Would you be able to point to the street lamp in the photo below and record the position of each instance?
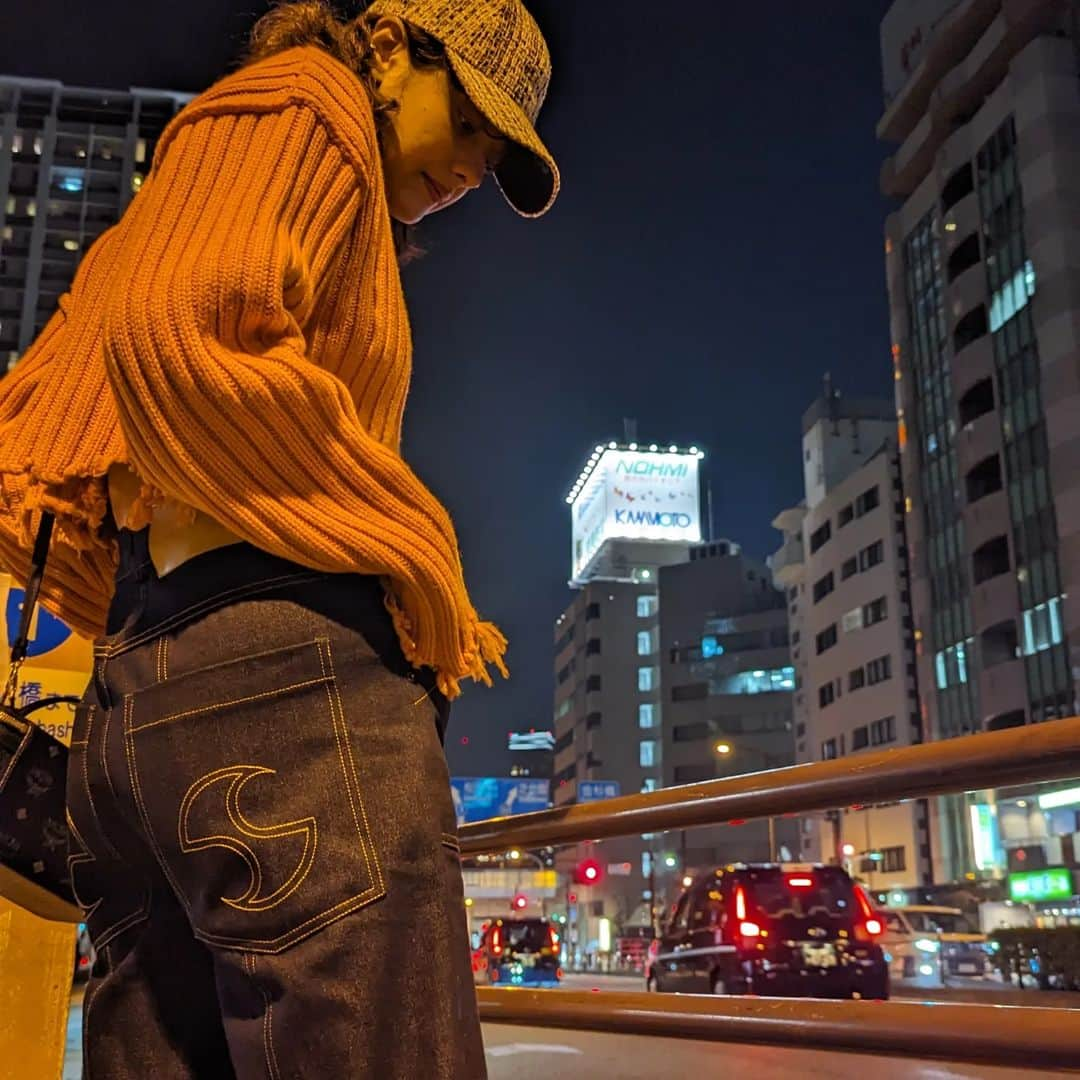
(723, 748)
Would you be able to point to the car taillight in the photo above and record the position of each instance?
(740, 904)
(84, 961)
(554, 936)
(800, 882)
(871, 925)
(558, 973)
(496, 941)
(749, 929)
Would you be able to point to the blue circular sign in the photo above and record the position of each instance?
(51, 632)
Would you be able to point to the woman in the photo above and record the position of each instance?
(263, 836)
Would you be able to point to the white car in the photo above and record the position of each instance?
(928, 944)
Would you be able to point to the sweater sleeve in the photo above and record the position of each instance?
(222, 407)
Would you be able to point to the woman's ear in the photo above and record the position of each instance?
(389, 45)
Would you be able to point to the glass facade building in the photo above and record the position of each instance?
(981, 257)
(71, 160)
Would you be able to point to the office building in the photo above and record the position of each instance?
(982, 111)
(634, 509)
(727, 684)
(844, 566)
(71, 159)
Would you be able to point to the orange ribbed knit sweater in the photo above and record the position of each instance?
(240, 339)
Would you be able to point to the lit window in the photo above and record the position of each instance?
(1012, 296)
(1042, 626)
(16, 143)
(775, 680)
(647, 753)
(646, 716)
(644, 643)
(140, 150)
(650, 783)
(644, 678)
(710, 647)
(646, 606)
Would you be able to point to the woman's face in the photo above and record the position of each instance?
(437, 145)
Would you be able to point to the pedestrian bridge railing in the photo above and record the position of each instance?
(1028, 1036)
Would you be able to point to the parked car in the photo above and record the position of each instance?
(789, 929)
(927, 944)
(519, 952)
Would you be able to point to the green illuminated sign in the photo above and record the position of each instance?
(1033, 886)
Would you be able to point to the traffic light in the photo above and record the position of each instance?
(519, 903)
(588, 872)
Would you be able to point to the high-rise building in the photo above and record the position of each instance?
(634, 509)
(844, 566)
(983, 263)
(727, 686)
(71, 159)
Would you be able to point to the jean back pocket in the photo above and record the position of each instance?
(247, 785)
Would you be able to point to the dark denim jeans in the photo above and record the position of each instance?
(263, 837)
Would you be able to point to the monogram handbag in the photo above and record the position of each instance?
(33, 781)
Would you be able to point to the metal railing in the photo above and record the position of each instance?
(1035, 1037)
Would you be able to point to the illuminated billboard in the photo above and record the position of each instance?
(478, 798)
(631, 494)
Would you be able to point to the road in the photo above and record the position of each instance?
(521, 1053)
(525, 1053)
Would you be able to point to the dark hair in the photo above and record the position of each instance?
(315, 22)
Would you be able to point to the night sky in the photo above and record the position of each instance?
(716, 249)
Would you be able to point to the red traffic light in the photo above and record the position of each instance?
(588, 872)
(520, 902)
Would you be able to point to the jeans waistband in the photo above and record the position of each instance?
(145, 604)
(144, 600)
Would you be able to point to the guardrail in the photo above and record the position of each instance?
(1033, 1037)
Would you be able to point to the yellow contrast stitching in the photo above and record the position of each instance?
(86, 786)
(308, 826)
(104, 754)
(268, 1025)
(351, 774)
(278, 692)
(133, 776)
(451, 841)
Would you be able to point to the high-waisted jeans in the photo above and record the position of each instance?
(263, 837)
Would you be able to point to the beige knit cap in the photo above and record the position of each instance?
(499, 56)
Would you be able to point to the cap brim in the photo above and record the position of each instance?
(527, 176)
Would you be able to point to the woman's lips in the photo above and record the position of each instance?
(437, 193)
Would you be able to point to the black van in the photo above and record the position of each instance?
(775, 930)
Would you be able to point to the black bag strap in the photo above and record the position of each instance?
(33, 587)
